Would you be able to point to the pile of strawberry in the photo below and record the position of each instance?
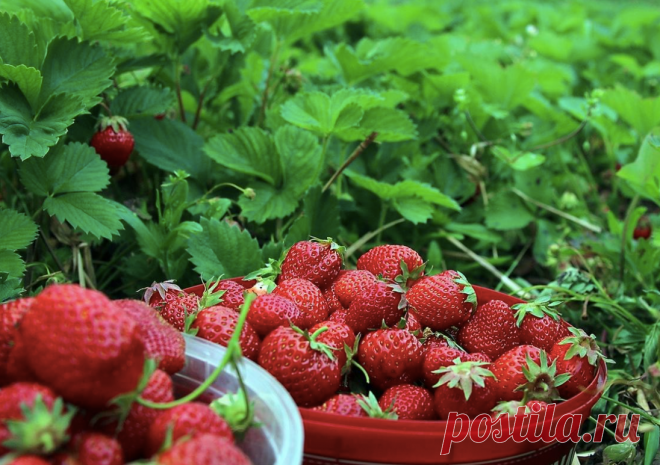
(87, 381)
(387, 340)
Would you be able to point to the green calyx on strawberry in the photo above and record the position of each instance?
(407, 277)
(468, 290)
(117, 123)
(583, 346)
(237, 410)
(340, 249)
(464, 375)
(399, 288)
(42, 430)
(539, 308)
(542, 380)
(428, 333)
(268, 274)
(369, 404)
(351, 353)
(510, 408)
(325, 349)
(210, 298)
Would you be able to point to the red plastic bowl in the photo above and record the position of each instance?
(336, 439)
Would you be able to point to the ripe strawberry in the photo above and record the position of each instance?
(491, 330)
(232, 294)
(11, 314)
(207, 449)
(413, 325)
(161, 341)
(439, 356)
(336, 336)
(307, 297)
(540, 324)
(187, 420)
(307, 368)
(465, 387)
(443, 300)
(270, 311)
(642, 232)
(347, 405)
(390, 357)
(315, 261)
(409, 402)
(331, 299)
(17, 367)
(578, 356)
(339, 316)
(174, 305)
(385, 260)
(82, 345)
(352, 284)
(113, 142)
(431, 339)
(17, 395)
(217, 324)
(376, 304)
(98, 449)
(27, 460)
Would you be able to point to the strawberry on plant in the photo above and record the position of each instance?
(409, 402)
(442, 356)
(385, 260)
(270, 311)
(491, 330)
(82, 345)
(318, 261)
(352, 284)
(207, 449)
(380, 303)
(465, 387)
(443, 300)
(217, 324)
(187, 420)
(577, 355)
(113, 142)
(11, 314)
(307, 297)
(307, 368)
(540, 324)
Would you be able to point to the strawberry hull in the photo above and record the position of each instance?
(336, 439)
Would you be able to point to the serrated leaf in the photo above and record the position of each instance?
(269, 202)
(321, 113)
(413, 209)
(99, 20)
(506, 88)
(28, 80)
(86, 211)
(243, 31)
(391, 125)
(28, 134)
(136, 102)
(643, 175)
(222, 249)
(506, 211)
(17, 230)
(11, 263)
(643, 114)
(18, 45)
(10, 287)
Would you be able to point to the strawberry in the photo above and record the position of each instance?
(307, 368)
(352, 284)
(380, 303)
(83, 346)
(207, 449)
(540, 324)
(113, 142)
(336, 336)
(17, 367)
(431, 339)
(98, 449)
(316, 261)
(187, 420)
(331, 299)
(578, 356)
(385, 260)
(17, 395)
(233, 295)
(440, 356)
(343, 404)
(27, 460)
(413, 325)
(465, 387)
(307, 297)
(339, 316)
(491, 330)
(161, 341)
(11, 314)
(174, 305)
(270, 311)
(443, 300)
(217, 324)
(390, 357)
(408, 402)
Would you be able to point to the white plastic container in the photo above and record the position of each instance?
(279, 441)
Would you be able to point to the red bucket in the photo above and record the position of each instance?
(336, 439)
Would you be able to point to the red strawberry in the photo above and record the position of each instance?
(642, 232)
(187, 420)
(307, 297)
(332, 300)
(17, 395)
(465, 387)
(390, 357)
(540, 324)
(217, 324)
(113, 142)
(537, 406)
(207, 449)
(376, 304)
(432, 339)
(408, 402)
(174, 305)
(315, 261)
(491, 330)
(161, 341)
(438, 357)
(27, 460)
(233, 295)
(352, 284)
(413, 325)
(336, 336)
(83, 346)
(305, 367)
(17, 367)
(270, 311)
(11, 314)
(578, 356)
(98, 449)
(343, 404)
(385, 260)
(339, 316)
(443, 300)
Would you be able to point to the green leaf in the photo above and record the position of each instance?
(505, 87)
(652, 346)
(651, 445)
(76, 68)
(10, 287)
(171, 146)
(17, 230)
(643, 175)
(99, 20)
(18, 46)
(86, 211)
(641, 113)
(75, 167)
(28, 80)
(321, 113)
(269, 203)
(28, 134)
(391, 125)
(11, 263)
(222, 249)
(475, 231)
(506, 211)
(520, 161)
(136, 102)
(243, 31)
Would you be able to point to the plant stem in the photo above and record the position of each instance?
(356, 153)
(474, 127)
(367, 237)
(177, 79)
(51, 251)
(624, 236)
(384, 206)
(562, 139)
(200, 103)
(271, 70)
